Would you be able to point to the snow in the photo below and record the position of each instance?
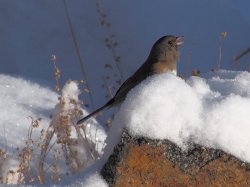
(23, 104)
(22, 99)
(212, 111)
(10, 164)
(94, 181)
(160, 102)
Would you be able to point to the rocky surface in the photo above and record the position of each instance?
(144, 162)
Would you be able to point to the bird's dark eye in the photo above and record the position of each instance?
(170, 43)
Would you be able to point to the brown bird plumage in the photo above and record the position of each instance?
(163, 58)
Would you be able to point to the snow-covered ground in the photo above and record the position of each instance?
(27, 126)
(211, 111)
(22, 99)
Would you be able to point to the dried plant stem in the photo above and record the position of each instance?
(56, 72)
(187, 64)
(80, 59)
(44, 148)
(24, 166)
(111, 43)
(70, 158)
(114, 53)
(110, 94)
(87, 144)
(242, 54)
(5, 139)
(219, 58)
(222, 36)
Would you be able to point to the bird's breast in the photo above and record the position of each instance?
(163, 67)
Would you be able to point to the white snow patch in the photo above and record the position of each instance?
(9, 171)
(19, 100)
(93, 130)
(94, 180)
(160, 102)
(22, 101)
(212, 111)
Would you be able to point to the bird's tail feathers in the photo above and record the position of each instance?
(95, 112)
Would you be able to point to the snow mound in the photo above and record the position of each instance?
(21, 103)
(21, 99)
(24, 102)
(94, 180)
(162, 103)
(212, 111)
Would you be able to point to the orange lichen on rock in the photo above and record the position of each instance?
(146, 165)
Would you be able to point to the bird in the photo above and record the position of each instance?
(162, 58)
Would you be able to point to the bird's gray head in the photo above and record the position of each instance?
(166, 47)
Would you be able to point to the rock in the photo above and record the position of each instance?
(145, 162)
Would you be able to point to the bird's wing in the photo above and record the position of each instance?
(126, 86)
(140, 75)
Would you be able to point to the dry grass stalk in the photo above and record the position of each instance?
(77, 48)
(61, 127)
(57, 74)
(247, 51)
(223, 35)
(110, 42)
(44, 151)
(108, 88)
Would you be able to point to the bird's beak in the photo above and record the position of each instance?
(179, 40)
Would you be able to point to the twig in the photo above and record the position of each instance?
(41, 172)
(57, 74)
(5, 139)
(111, 43)
(49, 149)
(219, 48)
(242, 54)
(222, 36)
(87, 142)
(108, 88)
(80, 59)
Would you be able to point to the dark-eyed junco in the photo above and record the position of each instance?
(162, 58)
